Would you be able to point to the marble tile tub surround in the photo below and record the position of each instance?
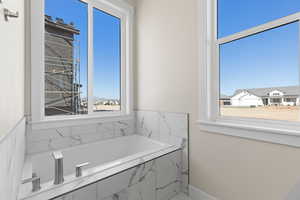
(171, 128)
(167, 127)
(158, 179)
(44, 140)
(12, 153)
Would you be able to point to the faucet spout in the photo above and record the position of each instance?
(59, 167)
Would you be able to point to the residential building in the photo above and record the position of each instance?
(284, 96)
(62, 94)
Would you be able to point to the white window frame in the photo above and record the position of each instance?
(275, 131)
(117, 8)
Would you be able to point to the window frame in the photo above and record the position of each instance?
(275, 131)
(125, 13)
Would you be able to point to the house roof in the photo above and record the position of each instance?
(59, 23)
(223, 96)
(261, 92)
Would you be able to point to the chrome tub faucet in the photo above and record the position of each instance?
(59, 167)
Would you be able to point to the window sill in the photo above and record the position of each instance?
(274, 135)
(53, 122)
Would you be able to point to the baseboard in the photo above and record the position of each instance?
(197, 194)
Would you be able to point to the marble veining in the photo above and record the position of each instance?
(57, 138)
(12, 152)
(171, 128)
(157, 179)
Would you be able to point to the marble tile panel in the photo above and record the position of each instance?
(12, 153)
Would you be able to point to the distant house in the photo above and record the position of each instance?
(286, 96)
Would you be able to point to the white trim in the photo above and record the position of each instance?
(118, 8)
(261, 28)
(275, 131)
(204, 55)
(214, 96)
(129, 61)
(37, 59)
(119, 5)
(90, 65)
(260, 133)
(124, 74)
(197, 194)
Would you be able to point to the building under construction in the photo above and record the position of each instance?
(62, 69)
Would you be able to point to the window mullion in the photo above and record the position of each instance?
(90, 59)
(261, 28)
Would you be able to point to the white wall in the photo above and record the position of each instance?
(166, 79)
(12, 67)
(12, 122)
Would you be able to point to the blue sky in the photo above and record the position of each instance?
(106, 55)
(106, 45)
(268, 59)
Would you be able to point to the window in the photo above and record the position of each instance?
(293, 100)
(107, 62)
(235, 16)
(86, 59)
(249, 69)
(66, 57)
(275, 100)
(276, 94)
(264, 59)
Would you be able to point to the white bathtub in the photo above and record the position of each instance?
(106, 158)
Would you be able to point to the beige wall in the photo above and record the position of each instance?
(12, 67)
(166, 79)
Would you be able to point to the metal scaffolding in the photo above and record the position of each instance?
(62, 73)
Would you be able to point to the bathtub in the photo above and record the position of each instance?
(106, 158)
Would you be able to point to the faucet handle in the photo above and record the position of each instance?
(57, 155)
(36, 182)
(79, 167)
